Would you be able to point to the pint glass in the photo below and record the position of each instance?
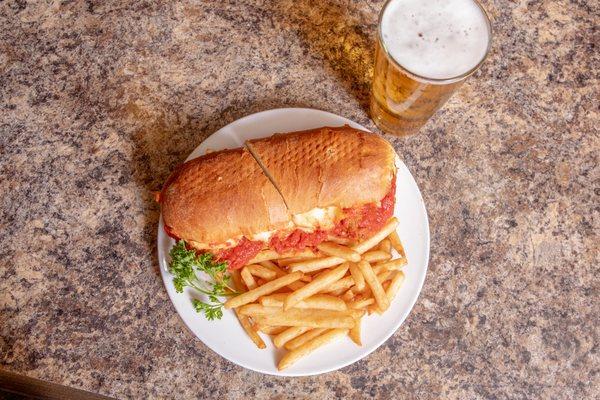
(425, 51)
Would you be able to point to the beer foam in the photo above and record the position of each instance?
(436, 39)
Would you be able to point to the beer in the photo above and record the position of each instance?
(425, 51)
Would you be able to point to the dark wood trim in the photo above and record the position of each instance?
(36, 388)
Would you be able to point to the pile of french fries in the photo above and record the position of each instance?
(306, 300)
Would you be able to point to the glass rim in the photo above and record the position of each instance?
(436, 80)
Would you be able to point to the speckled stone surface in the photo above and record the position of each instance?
(99, 100)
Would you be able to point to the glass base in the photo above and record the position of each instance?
(391, 123)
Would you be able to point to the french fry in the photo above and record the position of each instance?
(273, 267)
(261, 271)
(339, 240)
(237, 281)
(371, 279)
(376, 256)
(394, 286)
(348, 295)
(296, 285)
(308, 317)
(284, 262)
(322, 301)
(305, 337)
(320, 263)
(393, 264)
(257, 309)
(368, 244)
(289, 334)
(384, 276)
(360, 304)
(354, 332)
(269, 287)
(337, 250)
(245, 322)
(318, 284)
(385, 245)
(271, 330)
(264, 255)
(310, 346)
(315, 264)
(267, 255)
(340, 286)
(396, 243)
(306, 278)
(248, 278)
(357, 276)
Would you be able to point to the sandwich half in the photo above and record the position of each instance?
(286, 193)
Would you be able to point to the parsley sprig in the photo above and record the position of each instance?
(186, 264)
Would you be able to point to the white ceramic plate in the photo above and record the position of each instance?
(227, 338)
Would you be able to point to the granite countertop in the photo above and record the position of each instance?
(100, 100)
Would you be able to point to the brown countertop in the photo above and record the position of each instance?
(100, 100)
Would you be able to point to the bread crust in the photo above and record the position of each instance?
(221, 196)
(329, 166)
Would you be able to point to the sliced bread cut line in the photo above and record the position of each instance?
(258, 160)
(325, 167)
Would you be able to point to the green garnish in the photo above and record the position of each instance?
(185, 265)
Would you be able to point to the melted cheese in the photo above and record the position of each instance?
(317, 218)
(323, 218)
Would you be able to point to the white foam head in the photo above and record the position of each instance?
(435, 39)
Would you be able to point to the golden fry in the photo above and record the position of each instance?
(340, 286)
(315, 264)
(271, 330)
(394, 286)
(289, 334)
(263, 290)
(359, 304)
(245, 322)
(284, 262)
(354, 332)
(357, 276)
(267, 255)
(308, 317)
(393, 264)
(318, 284)
(261, 271)
(375, 285)
(296, 285)
(310, 346)
(376, 256)
(248, 278)
(257, 309)
(368, 244)
(322, 301)
(385, 245)
(397, 244)
(339, 240)
(237, 281)
(337, 250)
(348, 295)
(305, 337)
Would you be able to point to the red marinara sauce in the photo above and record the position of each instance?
(240, 254)
(297, 240)
(362, 221)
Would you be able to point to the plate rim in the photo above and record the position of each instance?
(427, 242)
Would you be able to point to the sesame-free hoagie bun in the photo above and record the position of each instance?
(220, 196)
(324, 167)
